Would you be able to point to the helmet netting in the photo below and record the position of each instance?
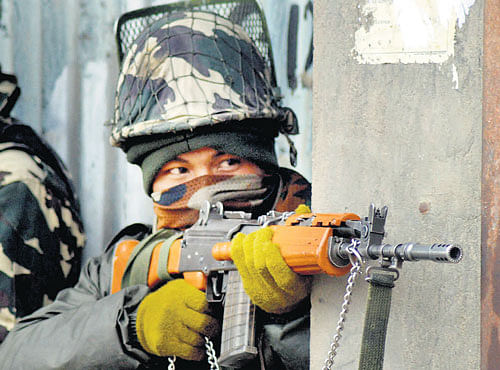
(246, 13)
(188, 70)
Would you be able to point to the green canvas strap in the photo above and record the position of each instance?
(136, 271)
(376, 318)
(163, 258)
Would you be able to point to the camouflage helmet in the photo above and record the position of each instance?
(191, 70)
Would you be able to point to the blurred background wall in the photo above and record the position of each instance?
(65, 57)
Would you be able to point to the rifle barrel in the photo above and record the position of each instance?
(449, 253)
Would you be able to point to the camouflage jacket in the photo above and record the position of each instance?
(87, 327)
(41, 233)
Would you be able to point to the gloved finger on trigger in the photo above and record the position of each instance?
(187, 294)
(201, 323)
(195, 299)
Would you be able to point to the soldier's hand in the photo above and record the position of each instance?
(267, 279)
(174, 320)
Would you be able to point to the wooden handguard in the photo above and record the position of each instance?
(304, 249)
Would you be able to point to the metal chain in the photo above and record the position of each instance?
(356, 261)
(171, 363)
(211, 357)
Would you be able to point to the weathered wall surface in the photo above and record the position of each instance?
(402, 128)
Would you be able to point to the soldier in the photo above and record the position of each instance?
(195, 110)
(41, 232)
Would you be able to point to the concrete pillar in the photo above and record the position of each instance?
(397, 102)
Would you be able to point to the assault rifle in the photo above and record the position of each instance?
(311, 243)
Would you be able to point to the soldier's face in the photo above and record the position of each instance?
(200, 162)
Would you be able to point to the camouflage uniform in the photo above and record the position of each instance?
(41, 233)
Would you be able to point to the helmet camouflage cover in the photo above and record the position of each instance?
(189, 70)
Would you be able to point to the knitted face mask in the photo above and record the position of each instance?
(178, 207)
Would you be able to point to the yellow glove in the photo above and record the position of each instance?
(173, 321)
(267, 279)
(302, 208)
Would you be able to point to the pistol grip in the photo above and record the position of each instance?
(196, 279)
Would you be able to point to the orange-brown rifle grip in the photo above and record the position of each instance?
(304, 249)
(120, 259)
(196, 279)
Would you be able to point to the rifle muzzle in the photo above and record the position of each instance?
(449, 253)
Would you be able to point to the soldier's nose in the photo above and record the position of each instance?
(202, 171)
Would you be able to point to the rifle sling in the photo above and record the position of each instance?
(163, 258)
(376, 318)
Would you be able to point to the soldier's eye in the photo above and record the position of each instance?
(229, 164)
(177, 170)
